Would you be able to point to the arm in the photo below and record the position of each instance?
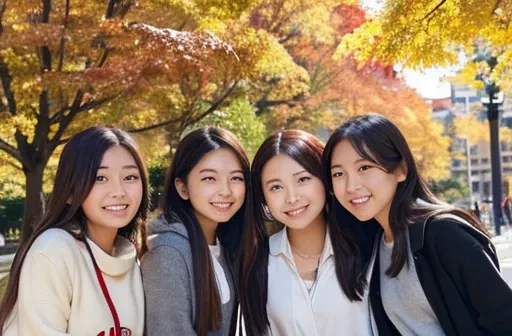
(474, 269)
(44, 297)
(168, 293)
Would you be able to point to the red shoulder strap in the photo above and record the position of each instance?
(104, 289)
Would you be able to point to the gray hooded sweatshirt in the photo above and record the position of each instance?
(168, 278)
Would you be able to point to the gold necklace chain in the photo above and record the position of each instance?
(306, 256)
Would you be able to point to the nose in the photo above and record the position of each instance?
(353, 183)
(117, 189)
(292, 196)
(225, 189)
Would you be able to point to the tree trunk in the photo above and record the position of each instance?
(34, 201)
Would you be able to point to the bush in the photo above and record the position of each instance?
(11, 214)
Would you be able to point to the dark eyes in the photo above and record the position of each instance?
(304, 179)
(102, 178)
(360, 169)
(212, 179)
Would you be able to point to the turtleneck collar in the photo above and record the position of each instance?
(120, 262)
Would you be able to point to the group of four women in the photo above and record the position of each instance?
(341, 240)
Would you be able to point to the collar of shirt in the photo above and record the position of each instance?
(279, 244)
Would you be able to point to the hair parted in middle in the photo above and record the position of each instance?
(307, 151)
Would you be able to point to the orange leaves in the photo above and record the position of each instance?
(35, 35)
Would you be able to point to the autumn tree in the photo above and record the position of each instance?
(62, 61)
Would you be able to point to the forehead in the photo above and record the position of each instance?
(221, 160)
(280, 166)
(344, 153)
(117, 156)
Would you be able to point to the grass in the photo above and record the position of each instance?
(3, 286)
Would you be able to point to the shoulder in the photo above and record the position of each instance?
(454, 236)
(54, 243)
(448, 228)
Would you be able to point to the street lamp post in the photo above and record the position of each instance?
(492, 102)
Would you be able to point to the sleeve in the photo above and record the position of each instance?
(44, 296)
(167, 293)
(474, 269)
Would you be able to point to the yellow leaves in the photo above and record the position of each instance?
(424, 33)
(429, 146)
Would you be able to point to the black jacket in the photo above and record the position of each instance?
(459, 271)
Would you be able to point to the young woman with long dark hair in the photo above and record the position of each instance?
(188, 271)
(301, 280)
(77, 274)
(436, 271)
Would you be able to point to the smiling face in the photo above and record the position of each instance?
(361, 186)
(294, 196)
(117, 192)
(215, 187)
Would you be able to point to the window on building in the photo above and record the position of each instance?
(473, 149)
(485, 160)
(475, 186)
(474, 172)
(487, 189)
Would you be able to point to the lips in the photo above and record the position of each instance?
(360, 200)
(118, 207)
(296, 212)
(222, 206)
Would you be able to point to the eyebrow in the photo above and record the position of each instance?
(356, 161)
(299, 172)
(209, 170)
(278, 180)
(272, 181)
(124, 167)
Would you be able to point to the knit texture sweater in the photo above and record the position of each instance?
(59, 293)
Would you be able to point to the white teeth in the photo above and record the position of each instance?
(296, 212)
(360, 200)
(116, 207)
(221, 205)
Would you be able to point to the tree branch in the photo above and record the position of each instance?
(6, 79)
(214, 106)
(10, 149)
(12, 164)
(3, 6)
(433, 10)
(110, 9)
(154, 126)
(62, 39)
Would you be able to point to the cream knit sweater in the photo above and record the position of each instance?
(59, 293)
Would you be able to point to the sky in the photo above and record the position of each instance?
(428, 82)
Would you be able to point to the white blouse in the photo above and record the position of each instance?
(222, 282)
(322, 311)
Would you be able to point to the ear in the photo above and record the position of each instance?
(181, 188)
(69, 200)
(401, 172)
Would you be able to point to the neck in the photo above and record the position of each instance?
(208, 227)
(309, 240)
(384, 223)
(103, 237)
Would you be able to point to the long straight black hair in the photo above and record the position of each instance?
(378, 140)
(75, 177)
(306, 150)
(191, 149)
